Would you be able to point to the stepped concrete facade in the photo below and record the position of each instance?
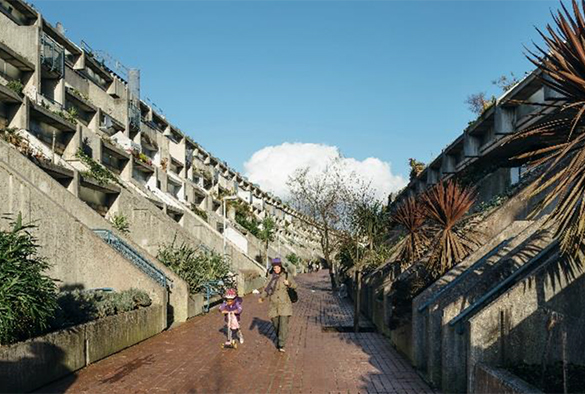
(76, 112)
(512, 299)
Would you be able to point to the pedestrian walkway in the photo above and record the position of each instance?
(189, 359)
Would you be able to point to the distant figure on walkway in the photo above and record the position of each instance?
(280, 307)
(232, 309)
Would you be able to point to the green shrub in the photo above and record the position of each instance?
(120, 222)
(101, 174)
(15, 86)
(195, 266)
(199, 212)
(294, 259)
(78, 306)
(27, 296)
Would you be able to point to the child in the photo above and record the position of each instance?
(232, 308)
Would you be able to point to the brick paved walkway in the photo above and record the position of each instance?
(189, 359)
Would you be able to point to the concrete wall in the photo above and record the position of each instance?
(428, 324)
(524, 325)
(84, 214)
(21, 39)
(494, 380)
(79, 257)
(454, 345)
(28, 365)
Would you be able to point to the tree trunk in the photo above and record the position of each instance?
(357, 300)
(267, 260)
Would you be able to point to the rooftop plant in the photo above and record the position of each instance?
(101, 174)
(199, 212)
(416, 167)
(15, 86)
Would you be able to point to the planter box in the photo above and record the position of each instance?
(31, 364)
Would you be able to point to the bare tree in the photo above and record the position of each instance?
(320, 197)
(478, 103)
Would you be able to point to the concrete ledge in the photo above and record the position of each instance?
(114, 333)
(28, 365)
(254, 284)
(491, 380)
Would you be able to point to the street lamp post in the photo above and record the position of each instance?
(226, 198)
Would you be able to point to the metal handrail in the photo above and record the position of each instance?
(211, 288)
(133, 256)
(501, 286)
(464, 274)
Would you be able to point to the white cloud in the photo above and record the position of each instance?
(270, 167)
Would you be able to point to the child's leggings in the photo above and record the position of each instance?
(230, 334)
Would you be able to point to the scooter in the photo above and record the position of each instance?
(232, 324)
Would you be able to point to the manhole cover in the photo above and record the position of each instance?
(346, 329)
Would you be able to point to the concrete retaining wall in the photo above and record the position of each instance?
(86, 215)
(528, 320)
(494, 380)
(80, 258)
(28, 365)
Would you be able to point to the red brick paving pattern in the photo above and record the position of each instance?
(189, 359)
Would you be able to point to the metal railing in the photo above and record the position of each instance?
(134, 257)
(52, 55)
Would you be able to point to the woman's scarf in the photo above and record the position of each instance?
(272, 284)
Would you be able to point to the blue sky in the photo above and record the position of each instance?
(384, 79)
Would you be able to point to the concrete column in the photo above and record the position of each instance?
(21, 119)
(163, 148)
(94, 124)
(96, 148)
(470, 146)
(447, 164)
(504, 119)
(128, 170)
(80, 64)
(73, 145)
(73, 187)
(162, 177)
(59, 94)
(35, 80)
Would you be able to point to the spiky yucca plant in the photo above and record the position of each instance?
(563, 62)
(446, 205)
(411, 217)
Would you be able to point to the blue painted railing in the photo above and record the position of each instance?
(464, 274)
(211, 288)
(134, 257)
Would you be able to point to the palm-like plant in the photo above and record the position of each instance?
(563, 62)
(411, 217)
(446, 205)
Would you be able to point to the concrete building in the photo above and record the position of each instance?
(512, 294)
(95, 150)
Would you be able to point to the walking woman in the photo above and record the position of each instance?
(280, 305)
